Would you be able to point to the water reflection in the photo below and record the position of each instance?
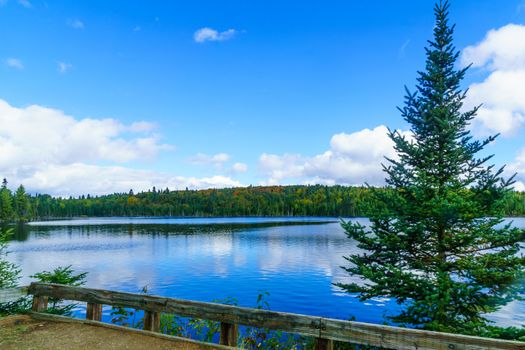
(296, 261)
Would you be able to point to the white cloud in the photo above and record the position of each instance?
(63, 67)
(502, 48)
(14, 63)
(502, 94)
(280, 167)
(363, 144)
(142, 126)
(502, 54)
(43, 147)
(37, 134)
(239, 168)
(25, 3)
(352, 159)
(51, 152)
(519, 186)
(201, 158)
(79, 178)
(75, 23)
(518, 167)
(209, 34)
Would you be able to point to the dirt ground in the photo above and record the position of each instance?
(25, 333)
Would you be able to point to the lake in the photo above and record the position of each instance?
(296, 260)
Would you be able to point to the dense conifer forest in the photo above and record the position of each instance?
(298, 200)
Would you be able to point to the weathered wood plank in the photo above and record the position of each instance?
(94, 312)
(306, 325)
(346, 331)
(39, 303)
(408, 339)
(151, 321)
(229, 334)
(12, 294)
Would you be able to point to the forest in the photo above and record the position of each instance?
(297, 200)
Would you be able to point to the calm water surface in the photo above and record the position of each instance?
(296, 260)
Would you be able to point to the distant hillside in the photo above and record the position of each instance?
(316, 200)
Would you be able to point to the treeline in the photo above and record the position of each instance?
(248, 201)
(15, 206)
(314, 200)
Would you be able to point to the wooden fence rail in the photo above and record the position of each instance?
(325, 330)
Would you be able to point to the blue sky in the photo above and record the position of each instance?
(225, 93)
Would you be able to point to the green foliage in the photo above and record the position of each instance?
(514, 204)
(249, 201)
(264, 338)
(437, 243)
(61, 275)
(173, 325)
(9, 275)
(14, 207)
(123, 316)
(126, 316)
(22, 205)
(9, 272)
(508, 333)
(317, 200)
(249, 338)
(6, 204)
(208, 331)
(16, 307)
(204, 330)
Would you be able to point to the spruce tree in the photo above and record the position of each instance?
(22, 205)
(438, 244)
(6, 204)
(9, 272)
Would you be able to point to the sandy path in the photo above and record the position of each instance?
(25, 333)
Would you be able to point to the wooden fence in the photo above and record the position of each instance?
(324, 330)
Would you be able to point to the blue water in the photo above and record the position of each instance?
(296, 260)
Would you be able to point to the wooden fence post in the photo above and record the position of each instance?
(152, 321)
(323, 344)
(94, 312)
(229, 334)
(39, 303)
